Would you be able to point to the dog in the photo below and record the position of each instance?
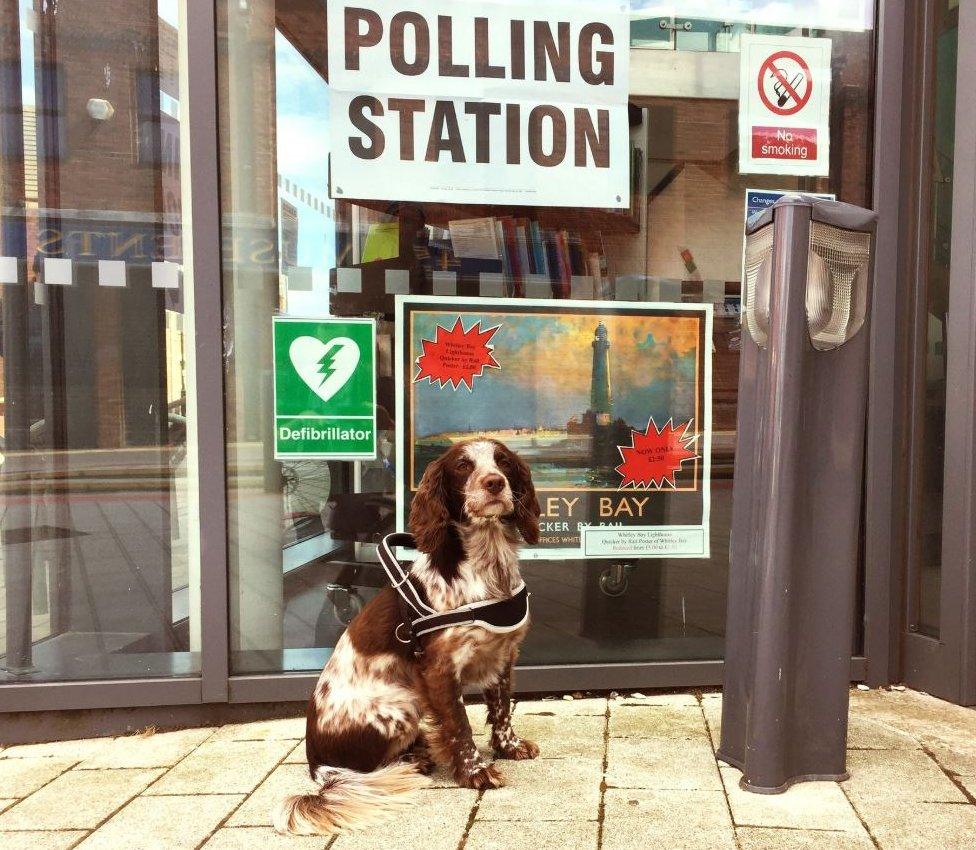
(365, 743)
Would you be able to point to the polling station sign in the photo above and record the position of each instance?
(784, 105)
(324, 388)
(468, 102)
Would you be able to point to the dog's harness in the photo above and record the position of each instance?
(419, 619)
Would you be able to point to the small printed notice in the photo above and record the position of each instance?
(663, 541)
(784, 105)
(324, 388)
(475, 237)
(609, 403)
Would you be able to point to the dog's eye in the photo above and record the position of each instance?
(503, 461)
(464, 466)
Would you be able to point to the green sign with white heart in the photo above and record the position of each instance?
(325, 388)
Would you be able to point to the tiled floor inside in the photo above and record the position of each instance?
(634, 771)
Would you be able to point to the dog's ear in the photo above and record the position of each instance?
(527, 510)
(429, 514)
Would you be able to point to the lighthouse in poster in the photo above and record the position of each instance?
(601, 398)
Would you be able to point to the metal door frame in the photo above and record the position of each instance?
(946, 666)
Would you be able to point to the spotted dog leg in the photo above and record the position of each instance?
(505, 743)
(450, 738)
(420, 755)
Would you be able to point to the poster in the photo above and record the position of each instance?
(324, 388)
(609, 403)
(784, 105)
(472, 101)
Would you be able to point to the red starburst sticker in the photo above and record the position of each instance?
(456, 356)
(655, 456)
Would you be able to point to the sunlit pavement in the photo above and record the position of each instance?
(634, 771)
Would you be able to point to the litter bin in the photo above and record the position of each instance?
(796, 505)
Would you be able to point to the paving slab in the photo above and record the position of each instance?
(162, 823)
(223, 767)
(60, 840)
(478, 718)
(263, 837)
(23, 776)
(545, 790)
(435, 823)
(896, 777)
(677, 820)
(511, 835)
(806, 805)
(297, 755)
(280, 729)
(78, 799)
(758, 838)
(577, 735)
(662, 764)
(921, 715)
(683, 700)
(969, 783)
(74, 750)
(285, 780)
(712, 710)
(684, 820)
(160, 749)
(866, 733)
(562, 708)
(656, 721)
(959, 757)
(923, 826)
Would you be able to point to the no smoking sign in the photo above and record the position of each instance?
(784, 108)
(785, 83)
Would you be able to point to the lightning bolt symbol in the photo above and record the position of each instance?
(327, 368)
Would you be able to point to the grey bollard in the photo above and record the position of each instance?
(796, 504)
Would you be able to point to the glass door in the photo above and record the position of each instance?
(937, 603)
(302, 534)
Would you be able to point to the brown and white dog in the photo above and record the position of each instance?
(364, 741)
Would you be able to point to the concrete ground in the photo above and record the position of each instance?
(634, 771)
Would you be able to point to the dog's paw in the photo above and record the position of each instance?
(482, 778)
(520, 749)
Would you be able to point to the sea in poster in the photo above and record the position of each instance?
(608, 403)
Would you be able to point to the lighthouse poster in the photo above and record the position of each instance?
(608, 402)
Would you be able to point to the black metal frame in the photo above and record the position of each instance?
(884, 529)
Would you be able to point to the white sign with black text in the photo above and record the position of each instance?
(784, 105)
(487, 102)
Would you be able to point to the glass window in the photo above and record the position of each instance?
(938, 146)
(97, 569)
(302, 534)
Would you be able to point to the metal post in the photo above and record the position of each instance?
(15, 477)
(797, 494)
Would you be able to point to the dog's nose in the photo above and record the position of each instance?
(494, 484)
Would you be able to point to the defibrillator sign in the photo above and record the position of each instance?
(784, 105)
(324, 388)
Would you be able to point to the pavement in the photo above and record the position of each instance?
(632, 771)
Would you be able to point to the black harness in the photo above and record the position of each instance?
(419, 619)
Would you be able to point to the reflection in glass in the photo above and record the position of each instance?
(303, 535)
(96, 574)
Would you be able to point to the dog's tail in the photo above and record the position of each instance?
(350, 800)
